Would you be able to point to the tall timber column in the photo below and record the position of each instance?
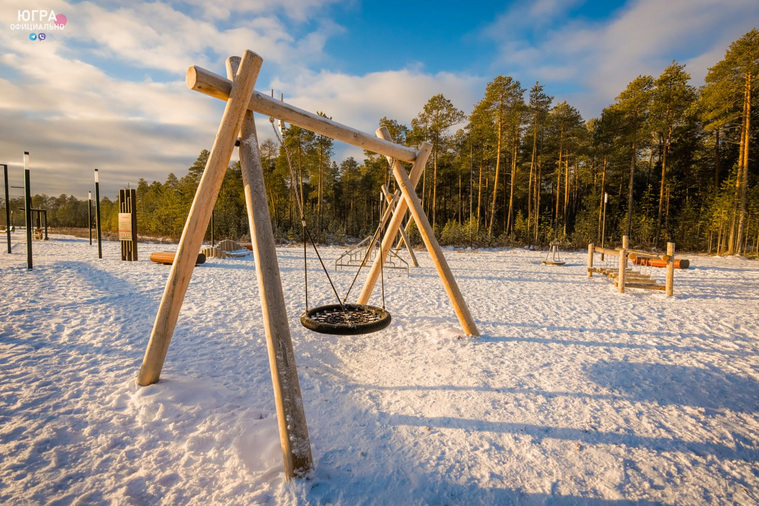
(291, 417)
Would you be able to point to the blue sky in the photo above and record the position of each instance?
(108, 91)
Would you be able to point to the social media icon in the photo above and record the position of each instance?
(32, 36)
(42, 36)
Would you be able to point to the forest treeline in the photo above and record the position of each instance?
(677, 163)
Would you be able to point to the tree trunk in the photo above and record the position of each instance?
(479, 197)
(665, 150)
(743, 169)
(566, 192)
(739, 192)
(434, 187)
(558, 181)
(630, 191)
(717, 161)
(538, 185)
(532, 173)
(603, 196)
(515, 148)
(495, 180)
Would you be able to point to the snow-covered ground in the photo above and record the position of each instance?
(573, 394)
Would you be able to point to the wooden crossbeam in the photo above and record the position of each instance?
(205, 81)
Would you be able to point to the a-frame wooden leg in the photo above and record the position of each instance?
(433, 247)
(197, 220)
(407, 184)
(291, 417)
(395, 222)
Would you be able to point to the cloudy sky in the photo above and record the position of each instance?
(108, 90)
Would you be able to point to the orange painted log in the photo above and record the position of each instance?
(167, 257)
(680, 263)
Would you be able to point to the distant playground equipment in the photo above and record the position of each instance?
(241, 100)
(368, 249)
(366, 252)
(226, 249)
(128, 224)
(614, 265)
(167, 257)
(552, 257)
(39, 223)
(680, 263)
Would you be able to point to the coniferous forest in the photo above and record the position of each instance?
(677, 160)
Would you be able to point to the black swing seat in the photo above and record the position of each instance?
(345, 320)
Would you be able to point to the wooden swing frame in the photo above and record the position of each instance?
(241, 101)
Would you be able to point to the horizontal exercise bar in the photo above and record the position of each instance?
(205, 81)
(606, 251)
(645, 254)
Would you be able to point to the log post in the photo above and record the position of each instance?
(622, 264)
(197, 220)
(205, 81)
(395, 221)
(590, 260)
(669, 285)
(441, 264)
(291, 418)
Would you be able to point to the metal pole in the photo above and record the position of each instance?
(89, 214)
(213, 219)
(97, 214)
(603, 224)
(28, 212)
(7, 208)
(44, 215)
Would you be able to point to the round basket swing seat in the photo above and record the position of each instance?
(553, 262)
(345, 320)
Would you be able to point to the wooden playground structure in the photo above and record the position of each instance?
(241, 101)
(639, 272)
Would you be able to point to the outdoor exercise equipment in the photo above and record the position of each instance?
(241, 99)
(680, 263)
(128, 224)
(552, 257)
(39, 216)
(614, 265)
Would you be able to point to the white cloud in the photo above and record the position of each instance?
(603, 57)
(69, 102)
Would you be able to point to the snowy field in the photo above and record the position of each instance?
(574, 394)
